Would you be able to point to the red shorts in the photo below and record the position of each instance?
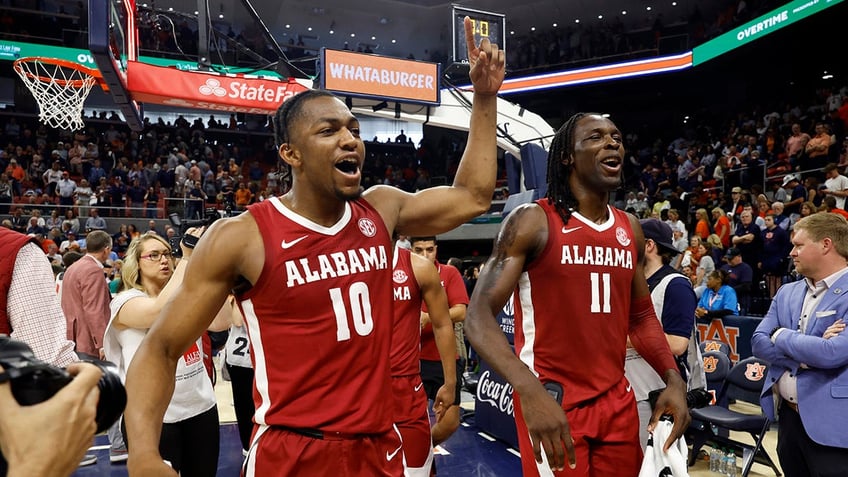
(605, 431)
(411, 418)
(281, 452)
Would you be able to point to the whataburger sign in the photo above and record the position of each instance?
(213, 91)
(374, 76)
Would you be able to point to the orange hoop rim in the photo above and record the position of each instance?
(58, 62)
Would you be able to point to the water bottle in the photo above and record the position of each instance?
(714, 460)
(731, 465)
(722, 467)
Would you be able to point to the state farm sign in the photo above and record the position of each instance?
(217, 92)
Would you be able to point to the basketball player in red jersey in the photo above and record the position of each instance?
(313, 278)
(431, 365)
(416, 280)
(572, 262)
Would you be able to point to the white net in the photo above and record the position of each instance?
(59, 88)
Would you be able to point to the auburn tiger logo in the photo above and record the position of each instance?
(710, 363)
(712, 346)
(755, 371)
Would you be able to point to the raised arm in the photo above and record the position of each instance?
(231, 248)
(439, 209)
(437, 303)
(522, 236)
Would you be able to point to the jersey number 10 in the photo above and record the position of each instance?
(600, 290)
(360, 309)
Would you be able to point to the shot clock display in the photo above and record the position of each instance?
(486, 25)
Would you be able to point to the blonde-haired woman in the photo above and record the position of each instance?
(702, 224)
(190, 434)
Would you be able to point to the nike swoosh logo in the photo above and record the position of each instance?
(418, 387)
(629, 387)
(568, 231)
(391, 456)
(287, 245)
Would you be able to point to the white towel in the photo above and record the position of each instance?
(662, 464)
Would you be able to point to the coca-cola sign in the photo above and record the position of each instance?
(496, 393)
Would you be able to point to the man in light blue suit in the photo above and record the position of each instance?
(803, 338)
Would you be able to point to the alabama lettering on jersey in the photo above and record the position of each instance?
(320, 320)
(577, 291)
(406, 332)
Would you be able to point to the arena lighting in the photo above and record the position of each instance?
(597, 73)
(379, 106)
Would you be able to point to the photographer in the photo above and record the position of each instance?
(190, 434)
(50, 438)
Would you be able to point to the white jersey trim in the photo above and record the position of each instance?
(304, 222)
(260, 379)
(597, 227)
(528, 323)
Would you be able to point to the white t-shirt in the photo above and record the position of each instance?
(193, 392)
(238, 347)
(838, 183)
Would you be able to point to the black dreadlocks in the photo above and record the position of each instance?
(559, 192)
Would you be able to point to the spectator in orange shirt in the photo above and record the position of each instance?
(702, 226)
(829, 203)
(243, 196)
(722, 226)
(16, 174)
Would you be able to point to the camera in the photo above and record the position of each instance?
(695, 398)
(35, 381)
(210, 215)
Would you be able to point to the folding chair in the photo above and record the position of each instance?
(714, 345)
(743, 383)
(716, 367)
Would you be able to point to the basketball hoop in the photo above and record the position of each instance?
(59, 87)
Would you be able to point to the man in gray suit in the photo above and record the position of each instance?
(803, 338)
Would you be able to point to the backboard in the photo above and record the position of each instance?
(113, 42)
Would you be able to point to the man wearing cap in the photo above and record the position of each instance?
(836, 185)
(740, 276)
(674, 303)
(797, 196)
(736, 208)
(65, 190)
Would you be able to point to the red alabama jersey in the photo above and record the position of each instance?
(572, 304)
(320, 320)
(455, 289)
(406, 331)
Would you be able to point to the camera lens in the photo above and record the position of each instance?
(113, 395)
